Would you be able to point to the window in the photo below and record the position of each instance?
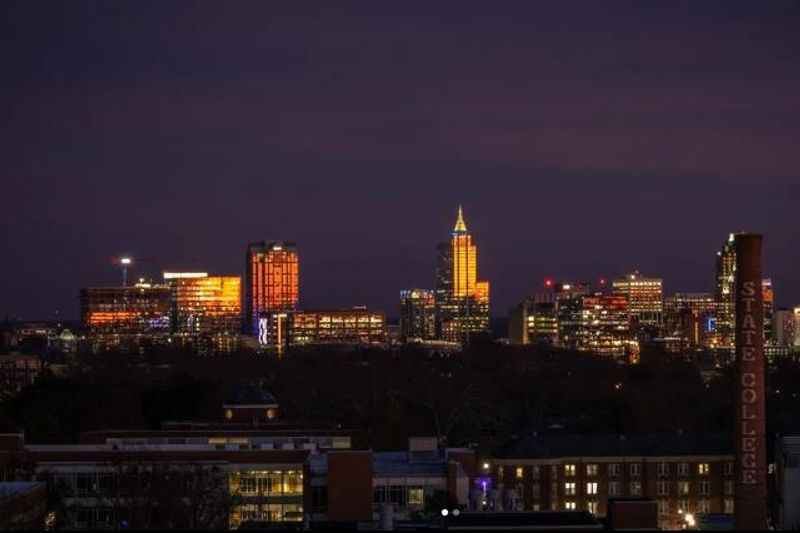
(536, 471)
(663, 469)
(703, 469)
(663, 488)
(683, 505)
(728, 487)
(636, 469)
(520, 472)
(591, 488)
(613, 470)
(570, 506)
(591, 506)
(537, 491)
(591, 470)
(683, 488)
(636, 488)
(537, 507)
(500, 473)
(569, 470)
(683, 469)
(569, 489)
(704, 506)
(728, 469)
(613, 488)
(554, 490)
(554, 471)
(247, 485)
(663, 507)
(728, 506)
(705, 488)
(416, 496)
(379, 496)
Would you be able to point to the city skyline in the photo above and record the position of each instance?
(134, 271)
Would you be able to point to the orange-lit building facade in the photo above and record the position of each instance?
(206, 311)
(138, 310)
(272, 283)
(462, 301)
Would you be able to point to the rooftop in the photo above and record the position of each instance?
(610, 445)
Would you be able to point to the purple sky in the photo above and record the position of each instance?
(583, 139)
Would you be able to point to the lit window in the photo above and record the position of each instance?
(728, 506)
(569, 470)
(570, 506)
(703, 506)
(591, 487)
(663, 507)
(636, 488)
(416, 496)
(520, 472)
(703, 469)
(569, 489)
(500, 472)
(591, 470)
(591, 506)
(683, 488)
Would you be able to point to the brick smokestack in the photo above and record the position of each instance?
(751, 460)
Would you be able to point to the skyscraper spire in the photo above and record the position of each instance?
(461, 227)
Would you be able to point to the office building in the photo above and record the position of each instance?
(18, 371)
(534, 321)
(417, 315)
(785, 327)
(768, 297)
(357, 326)
(682, 473)
(645, 298)
(597, 323)
(272, 281)
(691, 316)
(206, 310)
(462, 301)
(125, 318)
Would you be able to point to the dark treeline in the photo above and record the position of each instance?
(485, 396)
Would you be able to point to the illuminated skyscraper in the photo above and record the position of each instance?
(724, 294)
(417, 314)
(645, 298)
(272, 283)
(462, 302)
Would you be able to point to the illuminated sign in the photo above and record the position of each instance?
(711, 324)
(263, 331)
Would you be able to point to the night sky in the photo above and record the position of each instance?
(583, 139)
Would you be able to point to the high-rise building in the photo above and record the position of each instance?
(768, 297)
(138, 310)
(206, 310)
(785, 327)
(534, 321)
(462, 301)
(645, 298)
(691, 316)
(344, 326)
(417, 314)
(597, 323)
(724, 295)
(272, 281)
